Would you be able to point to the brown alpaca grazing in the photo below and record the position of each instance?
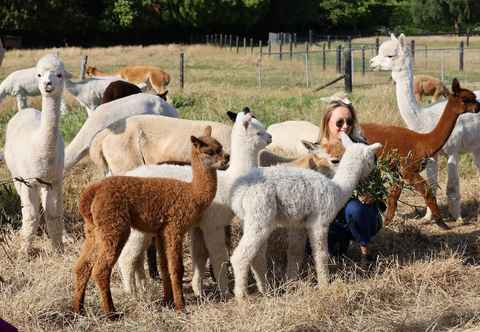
(425, 85)
(165, 207)
(414, 148)
(152, 76)
(119, 89)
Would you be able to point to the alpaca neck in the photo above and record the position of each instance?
(406, 101)
(346, 178)
(204, 182)
(434, 140)
(49, 123)
(242, 159)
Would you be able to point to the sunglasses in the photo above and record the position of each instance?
(341, 122)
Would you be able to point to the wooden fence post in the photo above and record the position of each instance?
(83, 65)
(237, 45)
(460, 56)
(221, 40)
(251, 45)
(307, 68)
(245, 44)
(230, 41)
(310, 37)
(259, 72)
(182, 70)
(280, 49)
(339, 59)
(291, 48)
(324, 57)
(269, 47)
(295, 40)
(412, 48)
(363, 60)
(348, 70)
(329, 42)
(377, 45)
(260, 46)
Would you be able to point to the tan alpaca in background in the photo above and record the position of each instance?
(425, 85)
(152, 76)
(162, 206)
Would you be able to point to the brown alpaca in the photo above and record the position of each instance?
(414, 148)
(166, 207)
(425, 85)
(153, 77)
(119, 89)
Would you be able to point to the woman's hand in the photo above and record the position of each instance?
(366, 199)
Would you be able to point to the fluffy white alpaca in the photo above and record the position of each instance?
(23, 83)
(248, 138)
(34, 149)
(89, 92)
(109, 113)
(394, 55)
(267, 198)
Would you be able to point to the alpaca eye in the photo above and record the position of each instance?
(59, 75)
(38, 75)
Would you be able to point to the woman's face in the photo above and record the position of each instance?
(341, 120)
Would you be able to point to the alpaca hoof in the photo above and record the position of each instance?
(441, 224)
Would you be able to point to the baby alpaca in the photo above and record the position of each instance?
(164, 207)
(425, 85)
(267, 198)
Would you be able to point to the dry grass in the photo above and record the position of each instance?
(425, 278)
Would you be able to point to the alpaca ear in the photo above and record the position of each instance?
(455, 87)
(246, 110)
(198, 143)
(403, 40)
(207, 131)
(375, 146)
(346, 140)
(310, 146)
(392, 36)
(232, 116)
(246, 121)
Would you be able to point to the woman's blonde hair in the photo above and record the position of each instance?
(331, 106)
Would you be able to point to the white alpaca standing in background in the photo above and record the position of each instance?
(34, 149)
(248, 137)
(267, 198)
(394, 55)
(23, 83)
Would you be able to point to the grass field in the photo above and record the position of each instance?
(426, 279)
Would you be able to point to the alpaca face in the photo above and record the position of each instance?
(324, 154)
(390, 55)
(466, 97)
(210, 152)
(51, 75)
(253, 132)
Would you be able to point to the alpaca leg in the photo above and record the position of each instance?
(52, 200)
(30, 199)
(21, 101)
(219, 258)
(161, 245)
(199, 259)
(259, 268)
(453, 188)
(83, 269)
(152, 261)
(110, 239)
(174, 253)
(318, 236)
(252, 240)
(392, 201)
(432, 178)
(423, 189)
(295, 252)
(131, 260)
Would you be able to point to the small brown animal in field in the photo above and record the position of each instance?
(425, 85)
(153, 77)
(163, 206)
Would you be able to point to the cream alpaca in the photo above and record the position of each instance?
(150, 139)
(164, 207)
(34, 149)
(109, 113)
(267, 198)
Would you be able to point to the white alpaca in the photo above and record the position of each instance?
(150, 139)
(89, 92)
(34, 149)
(287, 137)
(267, 198)
(109, 113)
(394, 55)
(23, 83)
(248, 138)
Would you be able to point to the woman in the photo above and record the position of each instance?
(360, 219)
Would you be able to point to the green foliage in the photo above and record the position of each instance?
(71, 122)
(10, 207)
